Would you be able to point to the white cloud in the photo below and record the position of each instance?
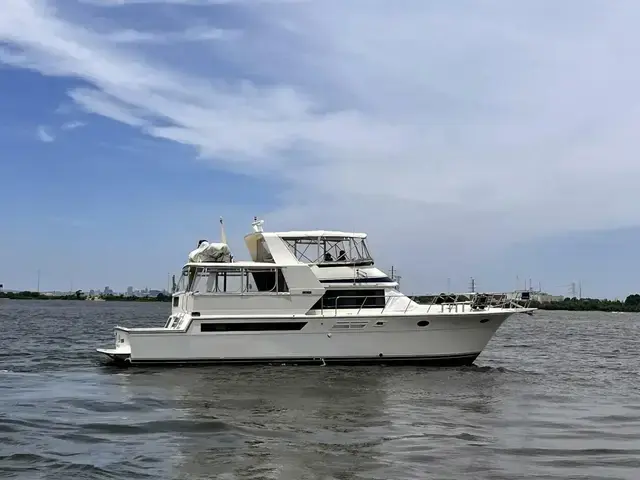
(44, 135)
(458, 123)
(120, 3)
(197, 34)
(72, 125)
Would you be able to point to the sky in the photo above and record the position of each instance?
(477, 138)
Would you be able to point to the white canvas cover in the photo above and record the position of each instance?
(211, 252)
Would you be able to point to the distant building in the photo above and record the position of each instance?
(540, 297)
(130, 291)
(546, 298)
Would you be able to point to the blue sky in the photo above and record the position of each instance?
(478, 138)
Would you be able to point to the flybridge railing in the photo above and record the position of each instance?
(461, 302)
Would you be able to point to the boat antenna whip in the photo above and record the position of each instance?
(223, 235)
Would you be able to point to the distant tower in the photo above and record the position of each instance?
(472, 285)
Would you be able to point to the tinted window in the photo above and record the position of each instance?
(251, 326)
(351, 299)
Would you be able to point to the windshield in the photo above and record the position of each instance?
(345, 250)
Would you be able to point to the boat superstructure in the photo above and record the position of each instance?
(308, 297)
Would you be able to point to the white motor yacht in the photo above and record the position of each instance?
(308, 297)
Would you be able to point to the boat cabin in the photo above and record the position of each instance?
(288, 273)
(246, 287)
(232, 278)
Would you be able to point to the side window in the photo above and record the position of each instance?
(352, 299)
(264, 280)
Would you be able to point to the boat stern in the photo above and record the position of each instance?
(121, 353)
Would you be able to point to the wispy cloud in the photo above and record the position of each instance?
(462, 119)
(199, 34)
(44, 134)
(72, 125)
(120, 3)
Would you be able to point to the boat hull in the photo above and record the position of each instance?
(448, 340)
(431, 361)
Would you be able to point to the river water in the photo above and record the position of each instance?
(554, 396)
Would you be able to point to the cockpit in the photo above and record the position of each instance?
(329, 250)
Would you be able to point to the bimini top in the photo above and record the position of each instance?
(257, 228)
(315, 234)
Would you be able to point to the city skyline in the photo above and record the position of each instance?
(571, 289)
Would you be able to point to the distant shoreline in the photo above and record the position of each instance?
(79, 296)
(609, 307)
(630, 305)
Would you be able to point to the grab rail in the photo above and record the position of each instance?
(451, 302)
(476, 301)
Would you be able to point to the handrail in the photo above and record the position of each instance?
(366, 297)
(452, 301)
(476, 300)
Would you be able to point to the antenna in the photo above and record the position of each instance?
(223, 235)
(257, 225)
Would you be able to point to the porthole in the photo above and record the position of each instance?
(423, 323)
(484, 320)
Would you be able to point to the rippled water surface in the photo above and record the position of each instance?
(554, 396)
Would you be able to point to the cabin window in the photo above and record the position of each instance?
(352, 299)
(329, 250)
(251, 326)
(237, 280)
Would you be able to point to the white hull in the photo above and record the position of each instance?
(447, 340)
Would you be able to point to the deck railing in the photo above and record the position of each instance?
(461, 302)
(447, 302)
(443, 302)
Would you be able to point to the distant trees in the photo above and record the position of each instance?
(80, 295)
(633, 301)
(631, 304)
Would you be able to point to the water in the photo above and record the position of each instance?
(555, 396)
